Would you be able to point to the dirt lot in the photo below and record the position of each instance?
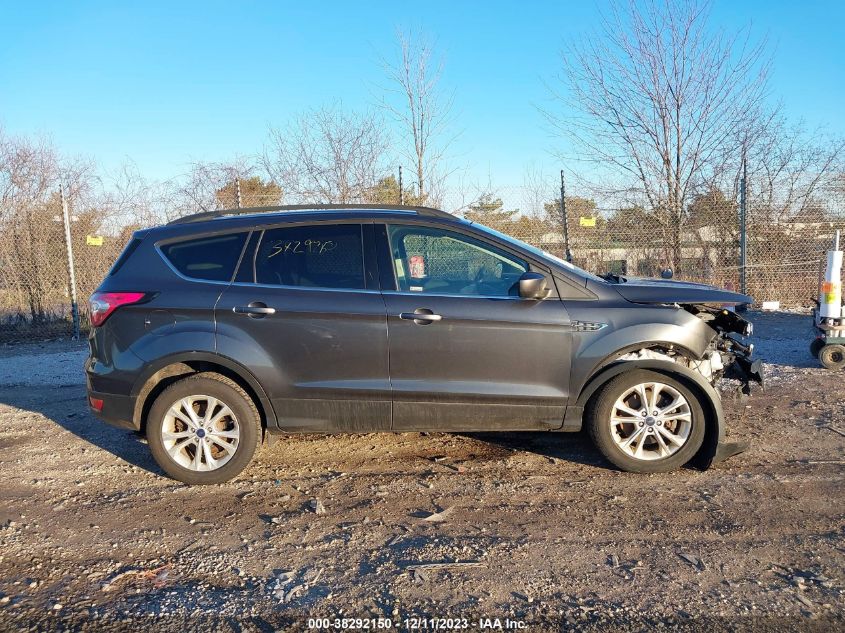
(92, 536)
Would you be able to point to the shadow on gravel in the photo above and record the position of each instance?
(569, 447)
(66, 406)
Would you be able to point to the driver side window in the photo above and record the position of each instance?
(437, 261)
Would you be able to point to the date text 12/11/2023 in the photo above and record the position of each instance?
(417, 624)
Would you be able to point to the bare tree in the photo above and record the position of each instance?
(128, 199)
(32, 258)
(197, 189)
(327, 155)
(420, 108)
(787, 167)
(539, 188)
(663, 99)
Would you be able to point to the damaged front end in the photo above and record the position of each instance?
(727, 350)
(717, 348)
(726, 355)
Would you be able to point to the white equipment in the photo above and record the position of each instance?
(829, 344)
(830, 298)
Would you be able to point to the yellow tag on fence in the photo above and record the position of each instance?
(587, 221)
(94, 240)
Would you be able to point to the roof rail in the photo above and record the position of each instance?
(219, 213)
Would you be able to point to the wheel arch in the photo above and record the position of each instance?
(711, 402)
(159, 375)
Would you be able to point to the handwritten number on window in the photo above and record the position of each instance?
(300, 247)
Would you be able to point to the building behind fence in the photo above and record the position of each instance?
(785, 245)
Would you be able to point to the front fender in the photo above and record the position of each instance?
(629, 329)
(711, 402)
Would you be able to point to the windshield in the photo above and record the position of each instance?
(539, 252)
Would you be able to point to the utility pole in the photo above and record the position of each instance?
(74, 306)
(743, 227)
(401, 193)
(567, 252)
(238, 191)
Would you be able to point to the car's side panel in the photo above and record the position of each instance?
(178, 318)
(237, 369)
(622, 327)
(321, 354)
(321, 358)
(508, 353)
(489, 363)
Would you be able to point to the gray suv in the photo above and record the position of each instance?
(222, 329)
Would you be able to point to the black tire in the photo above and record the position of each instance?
(227, 392)
(832, 356)
(603, 436)
(816, 347)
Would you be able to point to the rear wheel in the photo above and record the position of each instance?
(832, 356)
(647, 422)
(203, 429)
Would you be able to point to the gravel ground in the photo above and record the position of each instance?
(532, 527)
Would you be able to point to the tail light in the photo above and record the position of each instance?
(102, 304)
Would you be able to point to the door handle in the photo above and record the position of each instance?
(255, 310)
(421, 316)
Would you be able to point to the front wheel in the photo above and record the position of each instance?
(647, 422)
(203, 429)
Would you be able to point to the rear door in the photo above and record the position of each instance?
(306, 316)
(466, 352)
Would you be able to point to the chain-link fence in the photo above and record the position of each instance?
(785, 240)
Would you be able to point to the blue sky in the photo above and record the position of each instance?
(166, 83)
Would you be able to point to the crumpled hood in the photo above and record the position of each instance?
(641, 290)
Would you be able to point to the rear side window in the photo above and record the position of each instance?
(210, 258)
(317, 256)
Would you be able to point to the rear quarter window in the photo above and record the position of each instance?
(211, 258)
(125, 254)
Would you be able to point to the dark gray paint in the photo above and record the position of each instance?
(639, 290)
(345, 361)
(322, 355)
(484, 351)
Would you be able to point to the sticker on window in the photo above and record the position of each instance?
(416, 288)
(417, 265)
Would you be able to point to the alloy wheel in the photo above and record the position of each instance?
(200, 433)
(651, 421)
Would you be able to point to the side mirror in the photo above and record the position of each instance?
(533, 286)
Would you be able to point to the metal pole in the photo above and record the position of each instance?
(74, 306)
(238, 191)
(401, 192)
(743, 228)
(567, 252)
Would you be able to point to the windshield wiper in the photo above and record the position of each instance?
(614, 278)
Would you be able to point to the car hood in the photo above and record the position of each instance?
(640, 290)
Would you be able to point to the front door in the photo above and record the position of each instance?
(466, 352)
(306, 316)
